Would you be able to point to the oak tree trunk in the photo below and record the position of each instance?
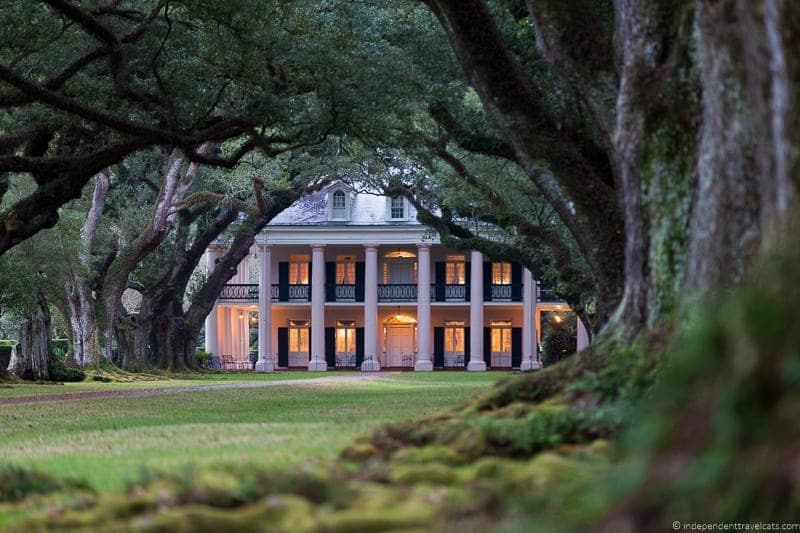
(33, 357)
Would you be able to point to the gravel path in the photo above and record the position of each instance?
(194, 388)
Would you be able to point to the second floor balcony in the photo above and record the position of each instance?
(387, 292)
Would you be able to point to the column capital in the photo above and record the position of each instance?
(264, 246)
(424, 245)
(372, 245)
(317, 245)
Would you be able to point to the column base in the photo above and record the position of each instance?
(476, 366)
(265, 366)
(530, 364)
(370, 365)
(423, 366)
(317, 366)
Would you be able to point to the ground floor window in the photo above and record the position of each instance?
(501, 343)
(454, 343)
(298, 342)
(346, 343)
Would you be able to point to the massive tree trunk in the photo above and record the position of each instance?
(702, 145)
(33, 356)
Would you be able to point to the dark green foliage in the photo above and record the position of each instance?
(5, 356)
(559, 336)
(62, 372)
(17, 483)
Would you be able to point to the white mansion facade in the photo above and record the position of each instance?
(352, 280)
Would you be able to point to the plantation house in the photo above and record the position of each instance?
(346, 279)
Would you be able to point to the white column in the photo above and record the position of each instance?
(371, 363)
(476, 362)
(423, 361)
(264, 363)
(317, 363)
(583, 336)
(212, 339)
(529, 359)
(233, 325)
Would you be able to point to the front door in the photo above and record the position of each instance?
(400, 346)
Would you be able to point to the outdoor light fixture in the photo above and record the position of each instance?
(557, 319)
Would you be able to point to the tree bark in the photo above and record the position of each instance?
(703, 145)
(33, 358)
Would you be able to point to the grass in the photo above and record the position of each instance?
(16, 390)
(109, 441)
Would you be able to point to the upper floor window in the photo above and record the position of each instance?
(339, 205)
(397, 208)
(501, 273)
(345, 270)
(298, 270)
(455, 271)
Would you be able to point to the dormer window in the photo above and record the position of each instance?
(397, 208)
(339, 205)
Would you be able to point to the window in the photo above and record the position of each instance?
(345, 270)
(397, 207)
(501, 273)
(298, 270)
(345, 336)
(454, 336)
(501, 336)
(455, 270)
(298, 336)
(339, 205)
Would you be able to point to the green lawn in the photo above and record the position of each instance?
(12, 390)
(108, 440)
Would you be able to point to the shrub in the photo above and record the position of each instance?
(17, 483)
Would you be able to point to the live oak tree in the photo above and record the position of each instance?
(83, 85)
(679, 168)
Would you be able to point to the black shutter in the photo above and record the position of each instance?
(487, 346)
(310, 336)
(441, 278)
(330, 281)
(516, 282)
(466, 346)
(487, 281)
(467, 279)
(283, 347)
(360, 281)
(330, 347)
(438, 347)
(359, 346)
(516, 347)
(283, 282)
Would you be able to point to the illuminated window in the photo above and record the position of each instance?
(398, 207)
(501, 336)
(345, 270)
(454, 336)
(345, 336)
(298, 270)
(339, 204)
(501, 273)
(298, 336)
(455, 270)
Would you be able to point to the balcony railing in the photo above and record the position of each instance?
(455, 293)
(547, 295)
(299, 293)
(501, 293)
(397, 292)
(345, 293)
(240, 291)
